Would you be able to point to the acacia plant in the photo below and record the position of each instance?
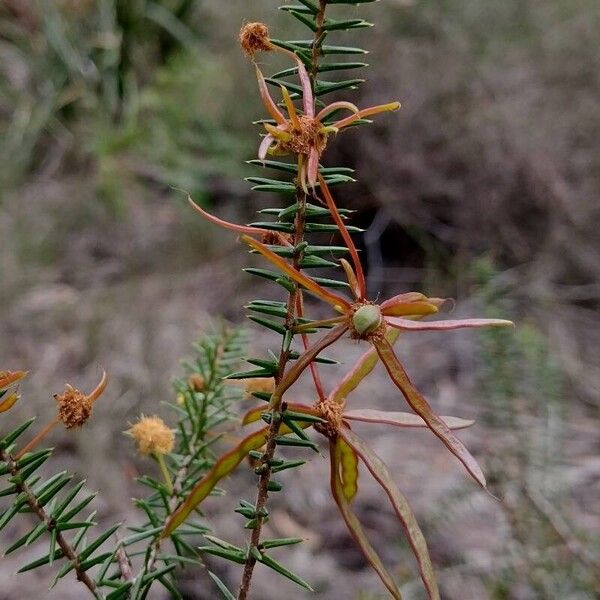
(298, 126)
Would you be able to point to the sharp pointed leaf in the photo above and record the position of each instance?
(336, 301)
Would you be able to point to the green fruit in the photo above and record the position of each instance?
(366, 319)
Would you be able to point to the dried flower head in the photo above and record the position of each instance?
(152, 435)
(254, 37)
(75, 407)
(259, 384)
(196, 382)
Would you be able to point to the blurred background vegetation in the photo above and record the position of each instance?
(484, 187)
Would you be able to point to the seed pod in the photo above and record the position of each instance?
(366, 319)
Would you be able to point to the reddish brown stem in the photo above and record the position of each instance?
(271, 445)
(265, 476)
(39, 511)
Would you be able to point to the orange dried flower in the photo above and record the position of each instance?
(152, 435)
(254, 37)
(75, 407)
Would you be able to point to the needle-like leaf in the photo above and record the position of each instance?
(254, 414)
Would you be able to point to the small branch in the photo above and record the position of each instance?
(183, 471)
(50, 524)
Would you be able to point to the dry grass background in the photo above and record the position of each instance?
(484, 187)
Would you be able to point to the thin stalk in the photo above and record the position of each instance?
(38, 438)
(265, 476)
(160, 457)
(292, 312)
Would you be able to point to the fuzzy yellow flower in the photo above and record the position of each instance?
(152, 436)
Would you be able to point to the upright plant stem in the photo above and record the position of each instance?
(292, 307)
(271, 445)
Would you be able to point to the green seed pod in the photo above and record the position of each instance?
(366, 319)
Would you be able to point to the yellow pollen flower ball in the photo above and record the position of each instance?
(152, 435)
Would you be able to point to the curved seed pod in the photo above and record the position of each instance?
(354, 526)
(418, 403)
(401, 507)
(348, 469)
